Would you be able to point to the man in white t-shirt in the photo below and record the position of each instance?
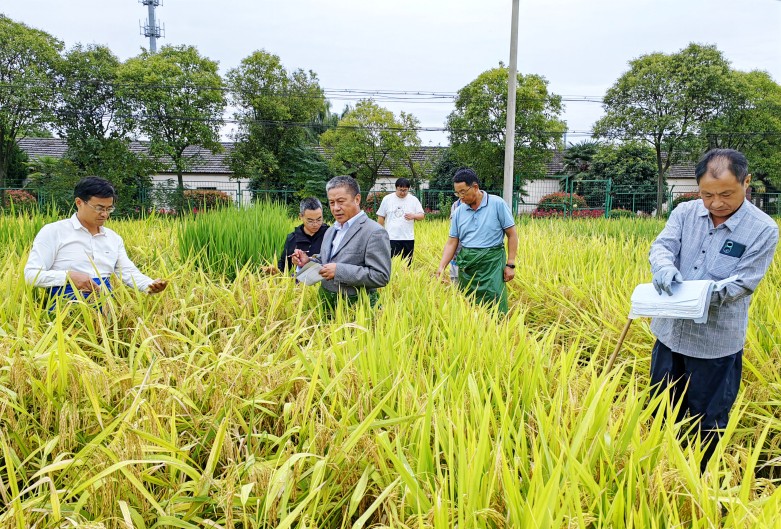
(397, 214)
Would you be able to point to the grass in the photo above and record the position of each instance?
(226, 240)
(232, 403)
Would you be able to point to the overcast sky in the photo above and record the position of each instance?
(579, 46)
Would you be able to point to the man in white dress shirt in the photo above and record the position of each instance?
(79, 253)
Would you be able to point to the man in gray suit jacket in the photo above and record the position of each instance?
(355, 253)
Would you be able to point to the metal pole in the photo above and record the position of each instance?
(509, 146)
(153, 28)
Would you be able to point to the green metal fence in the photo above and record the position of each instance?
(601, 197)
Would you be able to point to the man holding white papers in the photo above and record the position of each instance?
(355, 254)
(718, 236)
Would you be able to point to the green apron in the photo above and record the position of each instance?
(481, 271)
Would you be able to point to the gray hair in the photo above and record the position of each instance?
(345, 181)
(309, 204)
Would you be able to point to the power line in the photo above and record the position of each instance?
(337, 94)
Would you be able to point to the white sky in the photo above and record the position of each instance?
(579, 46)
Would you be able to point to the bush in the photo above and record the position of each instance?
(206, 199)
(558, 205)
(223, 241)
(19, 200)
(619, 213)
(576, 214)
(372, 202)
(685, 197)
(561, 202)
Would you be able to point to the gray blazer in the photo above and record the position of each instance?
(363, 258)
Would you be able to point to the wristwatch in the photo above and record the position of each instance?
(508, 265)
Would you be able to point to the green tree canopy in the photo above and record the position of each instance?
(578, 157)
(307, 172)
(96, 123)
(278, 112)
(28, 61)
(444, 170)
(177, 100)
(750, 121)
(370, 140)
(632, 168)
(663, 100)
(477, 126)
(18, 168)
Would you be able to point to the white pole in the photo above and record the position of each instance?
(509, 147)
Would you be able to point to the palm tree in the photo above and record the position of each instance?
(577, 160)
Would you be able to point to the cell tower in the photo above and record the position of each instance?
(152, 29)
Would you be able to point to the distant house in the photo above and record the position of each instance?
(680, 177)
(212, 171)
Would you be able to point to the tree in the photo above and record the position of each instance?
(17, 167)
(52, 180)
(277, 113)
(370, 140)
(663, 100)
(750, 121)
(96, 123)
(177, 100)
(477, 126)
(632, 168)
(28, 61)
(577, 165)
(577, 158)
(307, 172)
(444, 170)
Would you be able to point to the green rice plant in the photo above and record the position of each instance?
(224, 241)
(234, 403)
(18, 231)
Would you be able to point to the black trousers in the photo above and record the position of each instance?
(403, 248)
(712, 389)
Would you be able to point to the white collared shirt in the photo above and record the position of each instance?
(67, 245)
(341, 229)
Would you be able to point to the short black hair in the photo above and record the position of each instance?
(403, 182)
(348, 182)
(93, 186)
(729, 159)
(466, 175)
(309, 204)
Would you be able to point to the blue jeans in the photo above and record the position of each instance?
(713, 386)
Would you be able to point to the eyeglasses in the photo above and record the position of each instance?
(314, 222)
(463, 192)
(100, 209)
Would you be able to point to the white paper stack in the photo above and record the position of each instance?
(309, 274)
(689, 301)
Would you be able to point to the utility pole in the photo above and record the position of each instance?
(152, 29)
(509, 136)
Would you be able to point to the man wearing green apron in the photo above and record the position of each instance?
(480, 224)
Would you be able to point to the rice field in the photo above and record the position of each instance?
(234, 403)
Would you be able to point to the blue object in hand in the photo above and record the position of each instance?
(67, 293)
(664, 277)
